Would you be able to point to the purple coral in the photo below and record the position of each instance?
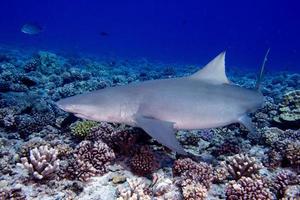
(292, 154)
(248, 188)
(189, 169)
(79, 170)
(121, 141)
(241, 165)
(282, 180)
(97, 153)
(144, 161)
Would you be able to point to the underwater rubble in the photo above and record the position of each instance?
(47, 154)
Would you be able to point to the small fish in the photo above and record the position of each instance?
(104, 33)
(31, 29)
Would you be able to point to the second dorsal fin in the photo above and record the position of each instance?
(214, 71)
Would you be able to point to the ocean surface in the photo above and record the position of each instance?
(53, 51)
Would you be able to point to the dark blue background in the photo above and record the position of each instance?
(171, 31)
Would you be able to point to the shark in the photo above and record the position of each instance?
(203, 100)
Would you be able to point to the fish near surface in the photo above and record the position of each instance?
(203, 100)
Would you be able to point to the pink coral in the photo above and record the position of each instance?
(248, 188)
(98, 154)
(144, 161)
(189, 169)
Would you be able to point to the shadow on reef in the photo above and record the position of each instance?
(47, 153)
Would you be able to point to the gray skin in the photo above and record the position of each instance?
(197, 102)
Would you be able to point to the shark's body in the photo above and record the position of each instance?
(204, 100)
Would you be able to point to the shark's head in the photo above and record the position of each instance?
(79, 105)
(90, 106)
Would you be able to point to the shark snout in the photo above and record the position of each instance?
(64, 106)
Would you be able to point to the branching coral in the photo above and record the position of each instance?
(121, 141)
(42, 162)
(144, 161)
(226, 148)
(292, 154)
(79, 170)
(220, 174)
(189, 169)
(137, 190)
(97, 153)
(140, 189)
(248, 188)
(282, 180)
(273, 159)
(83, 128)
(89, 159)
(164, 189)
(193, 190)
(241, 165)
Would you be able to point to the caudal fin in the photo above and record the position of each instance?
(260, 76)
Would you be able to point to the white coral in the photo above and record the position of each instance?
(136, 191)
(42, 162)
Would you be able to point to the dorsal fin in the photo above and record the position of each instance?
(214, 71)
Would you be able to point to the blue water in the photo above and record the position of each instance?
(172, 31)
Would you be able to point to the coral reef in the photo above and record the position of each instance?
(42, 162)
(144, 162)
(97, 153)
(289, 111)
(79, 170)
(83, 128)
(120, 140)
(241, 165)
(137, 190)
(248, 188)
(193, 190)
(292, 154)
(104, 158)
(14, 193)
(282, 180)
(198, 172)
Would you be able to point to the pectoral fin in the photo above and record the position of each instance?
(162, 131)
(247, 122)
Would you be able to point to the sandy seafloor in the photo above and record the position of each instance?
(47, 154)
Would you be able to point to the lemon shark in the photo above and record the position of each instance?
(206, 99)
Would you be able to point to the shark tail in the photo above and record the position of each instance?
(260, 76)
